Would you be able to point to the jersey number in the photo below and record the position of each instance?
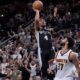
(60, 66)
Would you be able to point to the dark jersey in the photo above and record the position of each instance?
(45, 39)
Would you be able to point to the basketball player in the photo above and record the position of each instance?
(44, 43)
(67, 61)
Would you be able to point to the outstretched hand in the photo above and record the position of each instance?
(36, 10)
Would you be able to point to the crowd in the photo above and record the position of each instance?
(18, 59)
(14, 15)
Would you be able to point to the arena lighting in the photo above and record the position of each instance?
(2, 15)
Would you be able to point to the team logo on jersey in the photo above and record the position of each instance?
(61, 60)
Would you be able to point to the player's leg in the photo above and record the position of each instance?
(44, 65)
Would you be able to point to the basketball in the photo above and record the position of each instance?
(37, 5)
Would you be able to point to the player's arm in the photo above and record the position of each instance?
(53, 61)
(37, 19)
(75, 60)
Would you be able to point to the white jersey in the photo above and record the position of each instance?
(65, 68)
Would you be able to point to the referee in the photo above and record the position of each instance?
(45, 52)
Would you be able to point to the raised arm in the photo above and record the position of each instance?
(37, 19)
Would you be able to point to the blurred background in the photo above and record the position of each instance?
(17, 35)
